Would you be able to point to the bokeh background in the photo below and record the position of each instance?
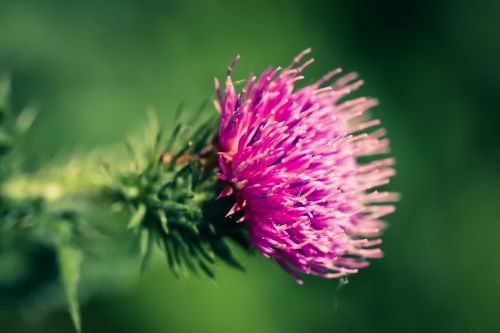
(94, 66)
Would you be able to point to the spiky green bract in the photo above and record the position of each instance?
(170, 192)
(38, 224)
(12, 127)
(40, 244)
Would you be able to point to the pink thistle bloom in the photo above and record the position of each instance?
(289, 157)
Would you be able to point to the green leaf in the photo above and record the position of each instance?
(26, 119)
(4, 93)
(208, 272)
(167, 244)
(207, 254)
(70, 259)
(146, 243)
(137, 217)
(163, 220)
(222, 250)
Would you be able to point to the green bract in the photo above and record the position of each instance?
(170, 192)
(55, 221)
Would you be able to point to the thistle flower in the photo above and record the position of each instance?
(289, 157)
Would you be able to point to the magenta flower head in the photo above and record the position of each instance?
(290, 158)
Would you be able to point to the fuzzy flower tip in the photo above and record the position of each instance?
(290, 158)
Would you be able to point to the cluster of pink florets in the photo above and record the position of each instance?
(290, 158)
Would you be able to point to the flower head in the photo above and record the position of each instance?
(290, 158)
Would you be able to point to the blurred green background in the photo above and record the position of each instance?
(94, 66)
